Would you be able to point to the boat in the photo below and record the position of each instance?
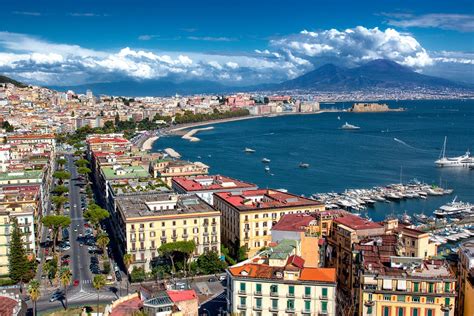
(267, 168)
(349, 126)
(303, 165)
(453, 208)
(465, 160)
(266, 160)
(249, 150)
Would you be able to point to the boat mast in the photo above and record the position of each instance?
(443, 151)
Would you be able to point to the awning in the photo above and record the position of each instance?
(387, 284)
(370, 280)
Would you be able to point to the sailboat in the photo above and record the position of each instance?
(465, 160)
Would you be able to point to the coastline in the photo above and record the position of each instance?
(148, 144)
(190, 135)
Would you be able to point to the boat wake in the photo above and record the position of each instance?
(409, 146)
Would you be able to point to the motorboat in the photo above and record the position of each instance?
(249, 150)
(266, 160)
(349, 126)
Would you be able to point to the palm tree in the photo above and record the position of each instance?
(127, 261)
(102, 241)
(98, 283)
(34, 292)
(65, 278)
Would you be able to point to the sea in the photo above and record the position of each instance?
(389, 147)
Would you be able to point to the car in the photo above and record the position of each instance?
(81, 244)
(80, 235)
(56, 296)
(76, 282)
(212, 279)
(65, 257)
(65, 248)
(118, 276)
(92, 248)
(75, 230)
(222, 278)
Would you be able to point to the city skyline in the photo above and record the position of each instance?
(242, 43)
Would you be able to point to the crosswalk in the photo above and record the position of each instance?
(84, 296)
(86, 281)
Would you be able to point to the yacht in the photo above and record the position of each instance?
(266, 160)
(249, 150)
(303, 165)
(453, 208)
(465, 160)
(349, 126)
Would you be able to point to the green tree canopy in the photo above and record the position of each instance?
(55, 222)
(210, 263)
(60, 189)
(82, 163)
(61, 161)
(83, 170)
(19, 266)
(61, 175)
(95, 214)
(170, 250)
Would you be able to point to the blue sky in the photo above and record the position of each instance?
(73, 42)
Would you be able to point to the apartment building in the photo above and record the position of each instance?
(205, 186)
(166, 169)
(392, 285)
(147, 221)
(466, 279)
(247, 217)
(278, 282)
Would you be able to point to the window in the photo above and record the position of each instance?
(324, 307)
(400, 311)
(307, 306)
(429, 312)
(258, 288)
(387, 298)
(400, 298)
(386, 311)
(307, 291)
(430, 287)
(416, 287)
(243, 301)
(415, 312)
(163, 224)
(415, 299)
(151, 225)
(447, 287)
(242, 287)
(430, 300)
(325, 292)
(290, 305)
(274, 304)
(274, 289)
(291, 290)
(258, 302)
(369, 310)
(447, 301)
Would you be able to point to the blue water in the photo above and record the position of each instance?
(344, 159)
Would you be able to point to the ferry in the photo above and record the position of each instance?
(349, 126)
(249, 150)
(454, 208)
(465, 160)
(266, 160)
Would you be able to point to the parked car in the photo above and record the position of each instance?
(76, 282)
(118, 276)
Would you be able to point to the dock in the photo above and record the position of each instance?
(172, 153)
(190, 135)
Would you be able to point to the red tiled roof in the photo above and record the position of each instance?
(318, 274)
(293, 222)
(295, 260)
(357, 222)
(98, 140)
(264, 271)
(218, 183)
(179, 296)
(31, 136)
(128, 307)
(7, 305)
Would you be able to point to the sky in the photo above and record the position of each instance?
(68, 42)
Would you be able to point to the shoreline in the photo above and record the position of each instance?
(148, 144)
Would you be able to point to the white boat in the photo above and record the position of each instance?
(303, 165)
(266, 160)
(267, 168)
(453, 208)
(249, 150)
(349, 126)
(465, 160)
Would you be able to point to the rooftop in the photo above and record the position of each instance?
(294, 222)
(124, 172)
(162, 204)
(264, 199)
(211, 183)
(25, 174)
(179, 296)
(356, 222)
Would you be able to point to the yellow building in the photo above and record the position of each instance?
(466, 279)
(247, 217)
(147, 221)
(398, 286)
(4, 241)
(166, 169)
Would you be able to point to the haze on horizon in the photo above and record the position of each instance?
(239, 43)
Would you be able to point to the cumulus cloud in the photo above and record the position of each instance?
(43, 62)
(356, 45)
(456, 22)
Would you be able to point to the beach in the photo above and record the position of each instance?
(147, 144)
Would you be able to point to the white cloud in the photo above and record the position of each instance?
(457, 22)
(28, 13)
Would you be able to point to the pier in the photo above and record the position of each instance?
(190, 135)
(172, 153)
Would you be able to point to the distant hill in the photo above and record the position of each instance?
(4, 79)
(379, 73)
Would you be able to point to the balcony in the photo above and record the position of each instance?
(307, 295)
(257, 308)
(446, 308)
(273, 293)
(185, 236)
(323, 313)
(323, 297)
(257, 293)
(241, 306)
(214, 233)
(290, 294)
(305, 311)
(273, 308)
(152, 247)
(242, 292)
(369, 303)
(133, 250)
(290, 310)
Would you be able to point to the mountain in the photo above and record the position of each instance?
(149, 88)
(4, 79)
(379, 73)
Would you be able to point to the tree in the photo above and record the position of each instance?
(61, 162)
(7, 126)
(171, 249)
(81, 163)
(210, 263)
(83, 170)
(19, 266)
(98, 283)
(95, 214)
(34, 292)
(59, 201)
(102, 241)
(127, 261)
(56, 222)
(60, 190)
(65, 277)
(137, 274)
(61, 175)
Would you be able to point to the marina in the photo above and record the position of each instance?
(465, 161)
